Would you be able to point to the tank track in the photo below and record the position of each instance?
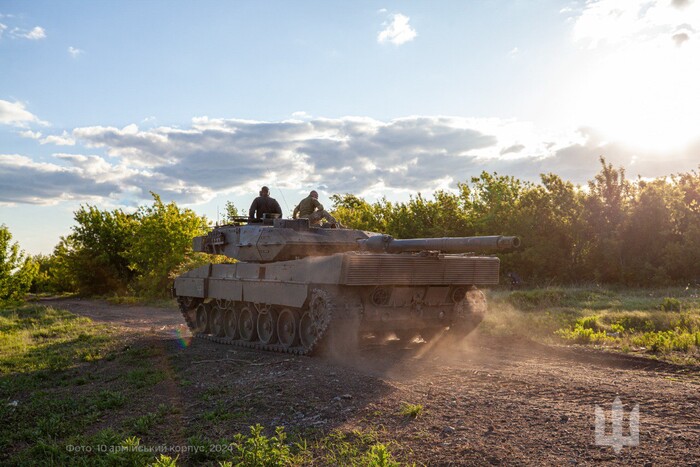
(257, 345)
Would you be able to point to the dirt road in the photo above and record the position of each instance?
(490, 401)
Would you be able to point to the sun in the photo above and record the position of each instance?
(645, 97)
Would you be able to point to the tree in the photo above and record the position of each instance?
(547, 219)
(16, 270)
(357, 213)
(162, 241)
(605, 208)
(95, 252)
(231, 213)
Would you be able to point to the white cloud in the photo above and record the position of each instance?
(358, 155)
(397, 31)
(616, 22)
(351, 154)
(301, 115)
(34, 34)
(59, 140)
(30, 134)
(23, 180)
(2, 29)
(75, 52)
(14, 113)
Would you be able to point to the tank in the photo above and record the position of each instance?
(297, 288)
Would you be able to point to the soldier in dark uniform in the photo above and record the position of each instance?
(263, 204)
(310, 208)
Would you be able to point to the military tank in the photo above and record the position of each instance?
(295, 286)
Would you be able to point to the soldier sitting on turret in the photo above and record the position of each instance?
(310, 208)
(263, 204)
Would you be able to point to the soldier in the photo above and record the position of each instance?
(310, 208)
(263, 204)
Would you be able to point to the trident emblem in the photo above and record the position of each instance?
(616, 439)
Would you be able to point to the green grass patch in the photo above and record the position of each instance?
(662, 322)
(44, 352)
(356, 448)
(411, 410)
(36, 338)
(145, 377)
(76, 394)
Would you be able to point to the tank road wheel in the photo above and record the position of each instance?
(247, 323)
(217, 319)
(287, 326)
(202, 317)
(231, 322)
(316, 319)
(308, 331)
(267, 325)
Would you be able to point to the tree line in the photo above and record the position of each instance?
(611, 231)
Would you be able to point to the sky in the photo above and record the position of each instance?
(204, 102)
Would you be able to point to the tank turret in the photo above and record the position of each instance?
(295, 285)
(286, 239)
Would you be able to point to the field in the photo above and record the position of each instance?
(87, 382)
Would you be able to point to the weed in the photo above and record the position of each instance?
(107, 399)
(411, 410)
(379, 456)
(145, 377)
(36, 338)
(165, 461)
(258, 449)
(357, 448)
(144, 423)
(670, 304)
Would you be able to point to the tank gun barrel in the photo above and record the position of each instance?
(388, 244)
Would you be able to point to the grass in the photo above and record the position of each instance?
(355, 447)
(411, 410)
(78, 393)
(660, 323)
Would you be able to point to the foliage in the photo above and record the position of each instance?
(614, 231)
(411, 410)
(16, 270)
(231, 213)
(113, 252)
(163, 240)
(663, 322)
(670, 304)
(260, 450)
(355, 447)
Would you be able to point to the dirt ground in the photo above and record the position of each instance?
(488, 401)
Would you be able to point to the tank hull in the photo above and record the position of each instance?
(294, 305)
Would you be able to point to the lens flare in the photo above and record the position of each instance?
(184, 338)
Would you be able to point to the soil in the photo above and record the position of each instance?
(486, 400)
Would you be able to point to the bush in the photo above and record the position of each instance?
(16, 271)
(670, 304)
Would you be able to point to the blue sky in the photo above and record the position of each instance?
(202, 102)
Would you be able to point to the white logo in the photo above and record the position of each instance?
(616, 439)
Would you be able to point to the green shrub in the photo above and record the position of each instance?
(411, 410)
(670, 304)
(258, 449)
